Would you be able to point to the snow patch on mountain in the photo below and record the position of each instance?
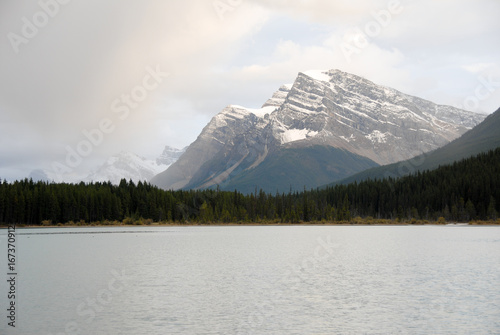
(292, 135)
(348, 139)
(377, 137)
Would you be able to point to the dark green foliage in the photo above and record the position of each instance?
(465, 190)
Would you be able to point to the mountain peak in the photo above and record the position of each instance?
(126, 165)
(318, 75)
(169, 155)
(365, 123)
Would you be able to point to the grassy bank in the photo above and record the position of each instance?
(355, 221)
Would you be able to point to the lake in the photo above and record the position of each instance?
(255, 280)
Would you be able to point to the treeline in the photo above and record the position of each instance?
(466, 190)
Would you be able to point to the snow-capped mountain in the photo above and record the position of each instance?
(133, 167)
(169, 155)
(122, 165)
(340, 123)
(126, 165)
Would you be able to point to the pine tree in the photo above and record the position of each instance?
(492, 212)
(470, 210)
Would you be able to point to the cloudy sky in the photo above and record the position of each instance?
(138, 75)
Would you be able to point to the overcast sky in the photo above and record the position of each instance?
(152, 73)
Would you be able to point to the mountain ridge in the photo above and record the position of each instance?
(331, 109)
(483, 137)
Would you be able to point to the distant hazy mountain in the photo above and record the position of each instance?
(39, 175)
(126, 165)
(324, 127)
(482, 138)
(122, 165)
(169, 155)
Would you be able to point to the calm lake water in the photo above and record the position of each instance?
(255, 280)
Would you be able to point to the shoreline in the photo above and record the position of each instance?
(256, 224)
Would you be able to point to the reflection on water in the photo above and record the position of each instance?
(256, 280)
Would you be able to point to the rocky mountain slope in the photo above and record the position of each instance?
(482, 138)
(365, 123)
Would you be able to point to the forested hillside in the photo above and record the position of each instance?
(463, 191)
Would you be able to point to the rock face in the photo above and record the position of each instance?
(372, 124)
(482, 138)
